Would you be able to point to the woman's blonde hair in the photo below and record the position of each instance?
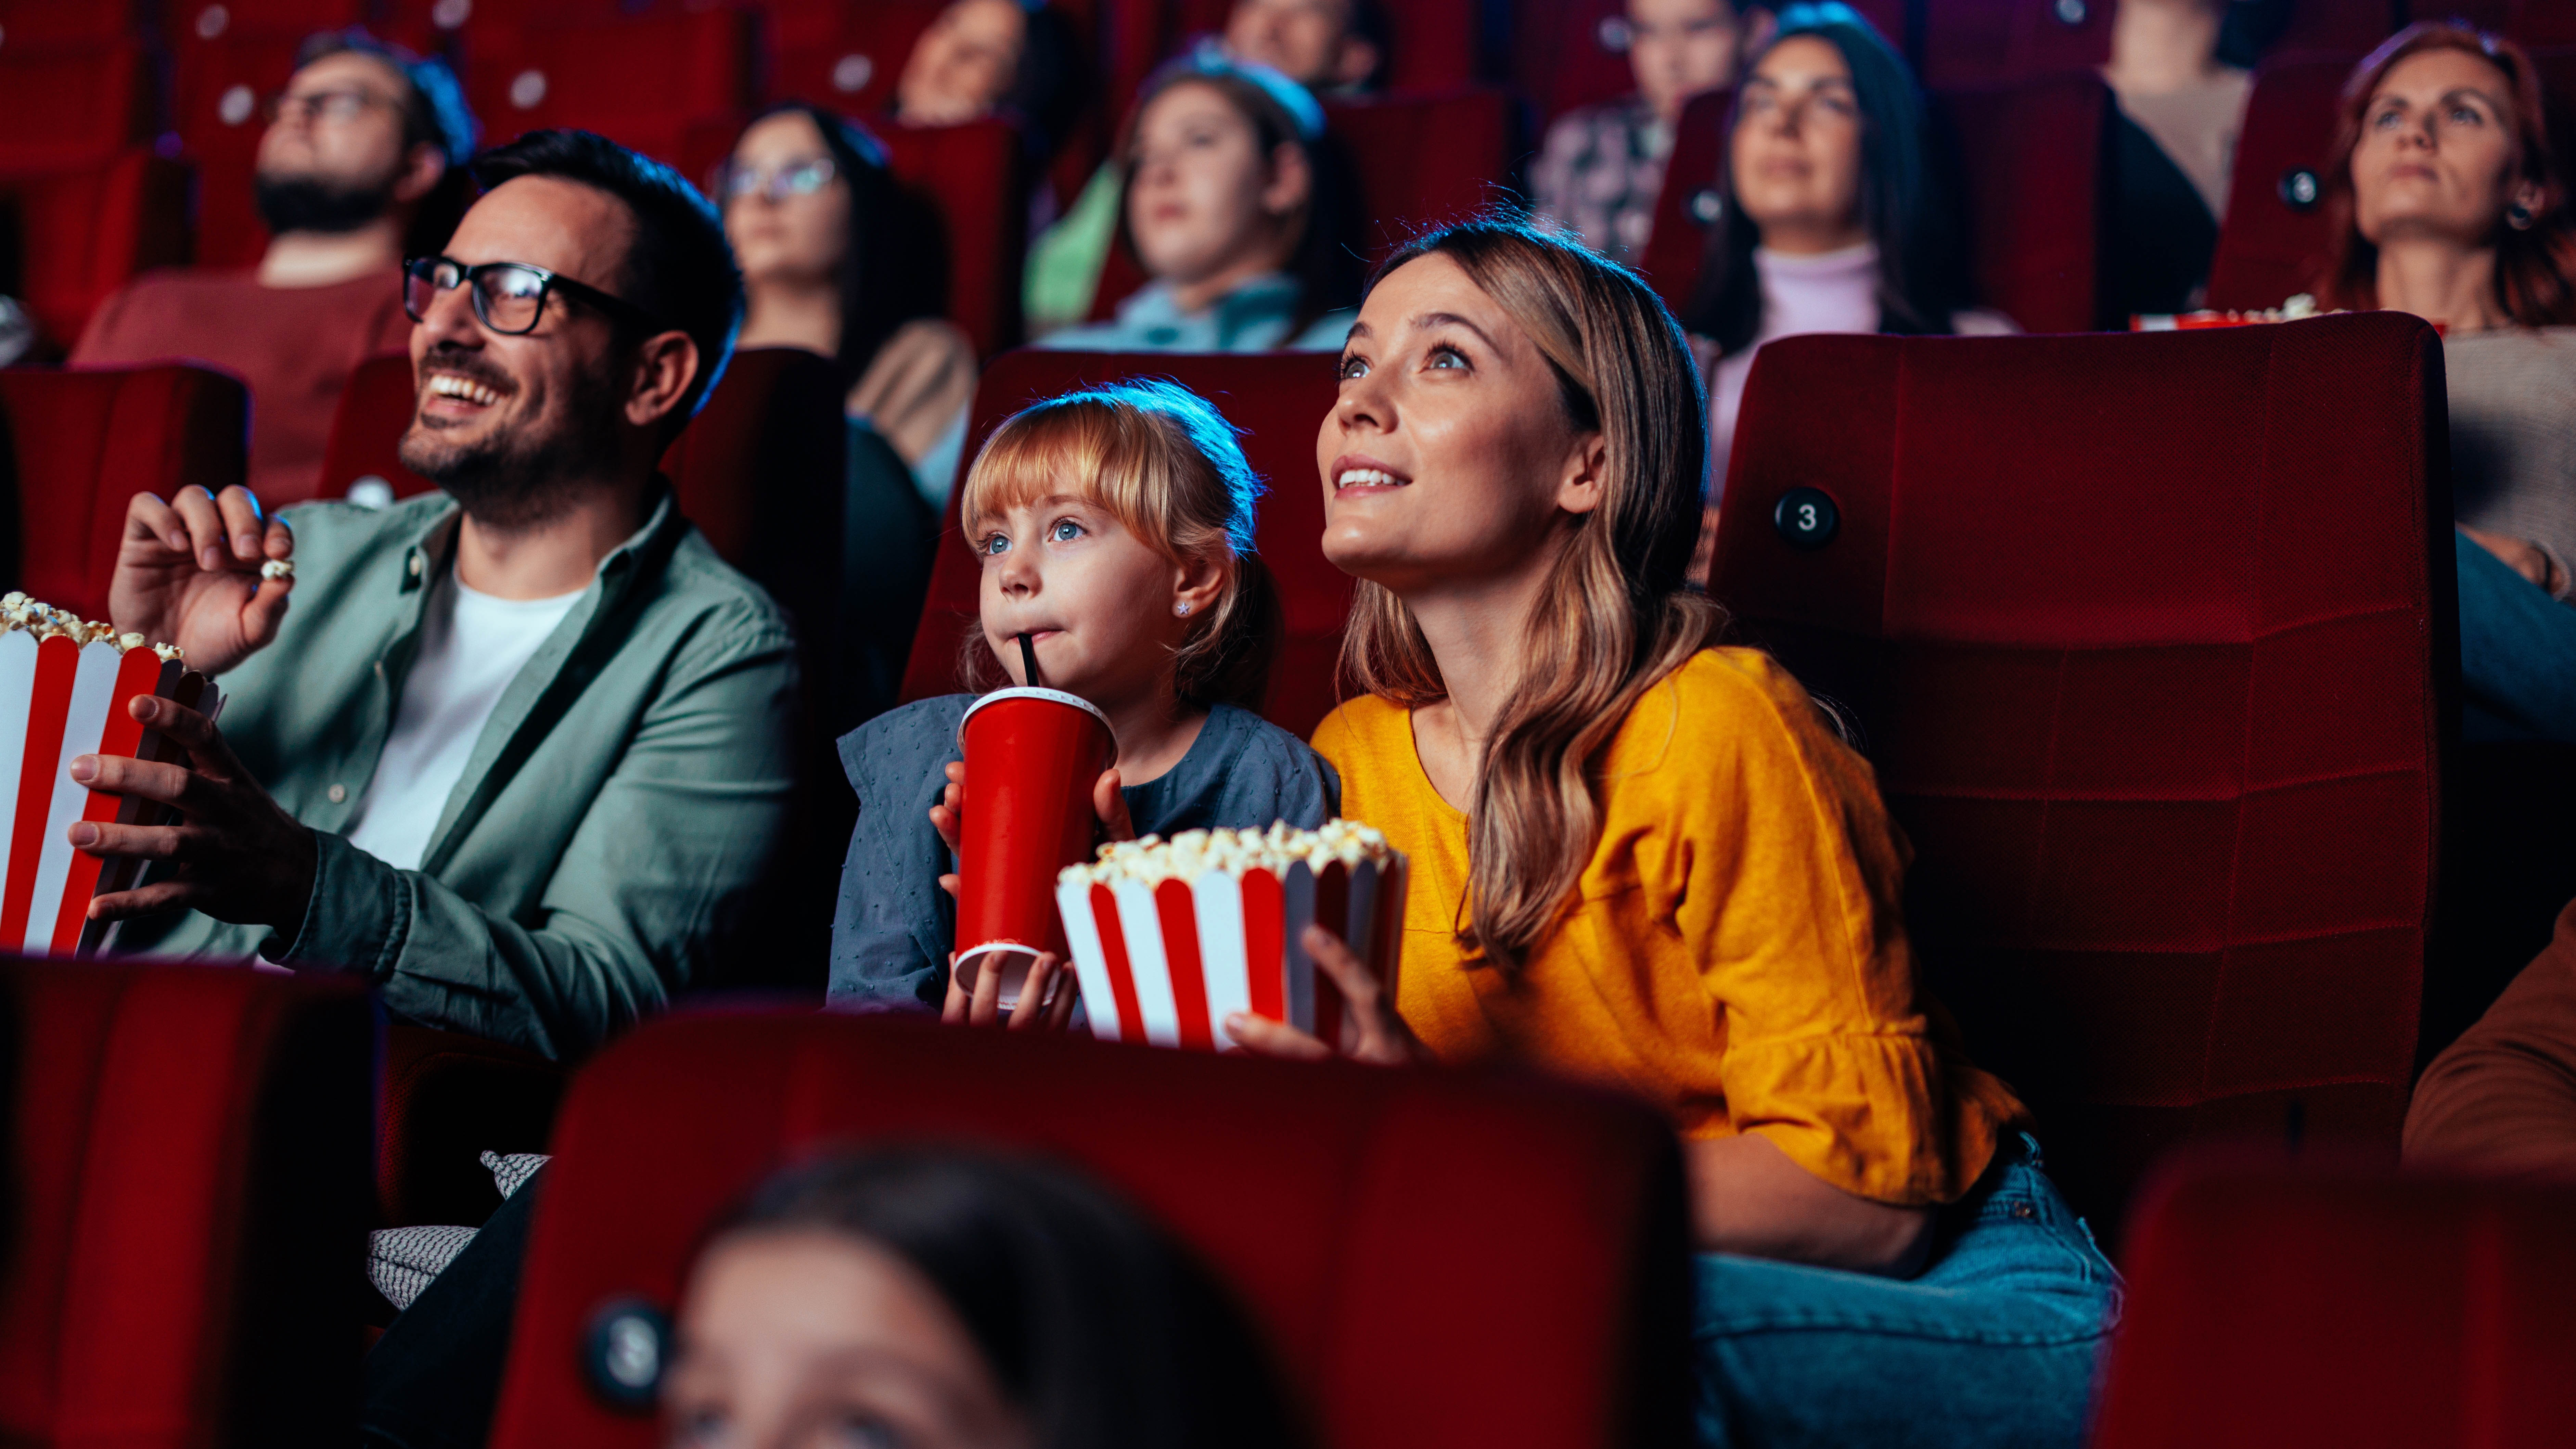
(1613, 618)
(1166, 465)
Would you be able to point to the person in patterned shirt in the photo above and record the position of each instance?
(1597, 176)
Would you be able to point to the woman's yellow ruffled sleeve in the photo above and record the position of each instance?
(1783, 884)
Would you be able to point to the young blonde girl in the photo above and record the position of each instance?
(1114, 527)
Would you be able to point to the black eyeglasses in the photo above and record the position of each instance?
(509, 297)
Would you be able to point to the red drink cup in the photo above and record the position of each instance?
(1033, 757)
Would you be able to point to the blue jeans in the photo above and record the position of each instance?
(1996, 1342)
(2517, 652)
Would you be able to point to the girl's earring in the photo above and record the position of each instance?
(1181, 609)
(2518, 216)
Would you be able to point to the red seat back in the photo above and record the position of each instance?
(366, 431)
(846, 56)
(974, 174)
(1437, 1259)
(639, 81)
(2030, 161)
(187, 1160)
(83, 233)
(2149, 638)
(1279, 400)
(72, 105)
(1987, 42)
(52, 23)
(78, 445)
(2274, 240)
(2532, 22)
(2301, 1308)
(224, 84)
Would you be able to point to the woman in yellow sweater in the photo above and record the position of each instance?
(1646, 862)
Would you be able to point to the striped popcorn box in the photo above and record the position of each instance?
(65, 685)
(1169, 937)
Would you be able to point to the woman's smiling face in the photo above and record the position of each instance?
(1449, 453)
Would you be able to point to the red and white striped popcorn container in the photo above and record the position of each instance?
(65, 691)
(1168, 938)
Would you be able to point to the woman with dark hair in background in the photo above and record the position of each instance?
(954, 1300)
(838, 260)
(2444, 199)
(1236, 207)
(1833, 219)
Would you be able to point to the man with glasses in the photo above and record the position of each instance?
(360, 153)
(520, 749)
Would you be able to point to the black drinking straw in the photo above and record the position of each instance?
(1028, 662)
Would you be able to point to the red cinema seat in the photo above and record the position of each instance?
(2293, 1307)
(1437, 1259)
(221, 97)
(2333, 29)
(1279, 399)
(639, 81)
(366, 431)
(72, 105)
(1419, 161)
(2274, 239)
(81, 234)
(2147, 637)
(2029, 159)
(187, 1162)
(2030, 169)
(974, 175)
(2532, 22)
(78, 445)
(53, 23)
(1568, 55)
(846, 56)
(446, 1099)
(1984, 42)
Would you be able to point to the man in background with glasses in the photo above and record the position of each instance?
(520, 749)
(359, 157)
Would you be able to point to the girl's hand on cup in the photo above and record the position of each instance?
(1046, 998)
(1108, 800)
(1372, 1032)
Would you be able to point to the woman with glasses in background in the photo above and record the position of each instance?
(836, 259)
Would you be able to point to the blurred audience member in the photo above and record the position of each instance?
(526, 752)
(1598, 175)
(981, 58)
(1833, 221)
(956, 1300)
(2503, 1097)
(1331, 47)
(837, 260)
(1650, 864)
(2444, 199)
(357, 165)
(1235, 207)
(2181, 108)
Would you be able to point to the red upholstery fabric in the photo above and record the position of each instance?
(78, 445)
(2148, 637)
(1420, 160)
(223, 85)
(368, 429)
(82, 234)
(71, 105)
(639, 81)
(187, 1163)
(2269, 249)
(2348, 29)
(1562, 58)
(2533, 22)
(2030, 168)
(1438, 1259)
(2307, 1307)
(1279, 399)
(50, 22)
(847, 56)
(1982, 42)
(973, 174)
(445, 1100)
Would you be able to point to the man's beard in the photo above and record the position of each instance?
(514, 481)
(320, 204)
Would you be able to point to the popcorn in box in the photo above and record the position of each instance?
(1168, 937)
(65, 684)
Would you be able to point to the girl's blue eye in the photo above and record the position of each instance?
(995, 543)
(1065, 531)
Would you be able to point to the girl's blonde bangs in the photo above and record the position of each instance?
(1078, 447)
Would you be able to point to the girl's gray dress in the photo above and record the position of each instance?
(895, 926)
